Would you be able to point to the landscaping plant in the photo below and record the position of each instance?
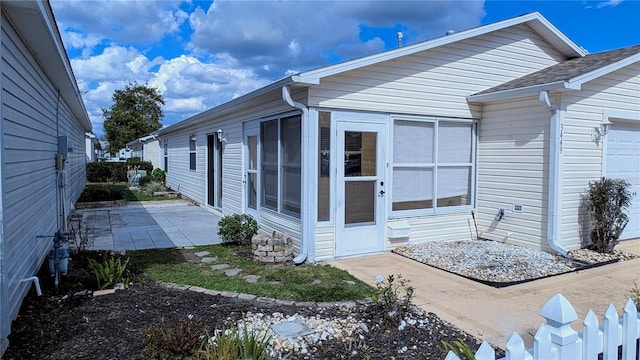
(609, 200)
(158, 176)
(394, 297)
(634, 292)
(154, 187)
(236, 345)
(174, 339)
(460, 348)
(108, 273)
(238, 228)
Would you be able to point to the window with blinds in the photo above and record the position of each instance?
(432, 165)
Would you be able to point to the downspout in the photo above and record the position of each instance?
(554, 173)
(304, 210)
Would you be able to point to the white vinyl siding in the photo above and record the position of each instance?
(582, 158)
(513, 170)
(33, 115)
(446, 227)
(436, 82)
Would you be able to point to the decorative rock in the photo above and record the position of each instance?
(349, 282)
(202, 253)
(275, 247)
(233, 272)
(316, 282)
(220, 266)
(252, 279)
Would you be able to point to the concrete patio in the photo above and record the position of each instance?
(151, 224)
(493, 314)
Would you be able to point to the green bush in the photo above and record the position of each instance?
(158, 176)
(108, 273)
(154, 186)
(142, 165)
(100, 192)
(177, 338)
(144, 180)
(101, 171)
(238, 228)
(609, 200)
(234, 344)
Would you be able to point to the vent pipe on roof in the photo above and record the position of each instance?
(449, 32)
(399, 36)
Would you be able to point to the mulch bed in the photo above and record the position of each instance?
(110, 326)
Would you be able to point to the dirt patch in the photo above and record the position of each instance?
(110, 326)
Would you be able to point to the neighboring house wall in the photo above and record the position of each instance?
(33, 114)
(513, 170)
(151, 152)
(583, 158)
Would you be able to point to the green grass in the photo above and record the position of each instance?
(293, 282)
(115, 191)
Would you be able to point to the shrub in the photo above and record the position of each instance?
(144, 180)
(100, 192)
(108, 273)
(140, 164)
(158, 176)
(177, 338)
(609, 200)
(394, 297)
(233, 344)
(106, 172)
(237, 228)
(155, 186)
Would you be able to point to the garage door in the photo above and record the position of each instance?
(623, 161)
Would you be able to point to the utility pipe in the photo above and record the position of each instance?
(306, 191)
(36, 283)
(554, 173)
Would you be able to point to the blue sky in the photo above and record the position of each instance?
(200, 54)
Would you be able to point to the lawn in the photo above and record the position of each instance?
(309, 282)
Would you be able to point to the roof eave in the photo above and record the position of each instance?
(36, 23)
(602, 71)
(559, 86)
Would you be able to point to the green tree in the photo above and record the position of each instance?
(136, 112)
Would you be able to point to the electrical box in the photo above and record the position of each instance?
(63, 147)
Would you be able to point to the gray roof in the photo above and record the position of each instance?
(567, 70)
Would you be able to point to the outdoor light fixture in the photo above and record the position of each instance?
(194, 138)
(604, 127)
(220, 133)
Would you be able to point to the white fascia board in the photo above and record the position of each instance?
(559, 86)
(584, 78)
(535, 20)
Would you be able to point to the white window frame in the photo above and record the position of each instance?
(435, 165)
(193, 165)
(165, 150)
(280, 165)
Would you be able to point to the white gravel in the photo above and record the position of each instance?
(487, 260)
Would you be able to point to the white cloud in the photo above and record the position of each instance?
(299, 35)
(129, 21)
(609, 3)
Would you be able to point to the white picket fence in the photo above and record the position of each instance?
(557, 340)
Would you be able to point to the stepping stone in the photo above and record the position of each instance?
(208, 260)
(274, 282)
(202, 253)
(349, 282)
(316, 282)
(252, 279)
(220, 266)
(233, 272)
(291, 329)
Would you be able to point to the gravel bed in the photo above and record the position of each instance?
(497, 262)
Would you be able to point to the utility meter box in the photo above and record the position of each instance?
(63, 147)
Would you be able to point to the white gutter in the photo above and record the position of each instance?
(554, 172)
(305, 214)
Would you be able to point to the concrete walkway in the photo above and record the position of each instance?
(151, 224)
(494, 314)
